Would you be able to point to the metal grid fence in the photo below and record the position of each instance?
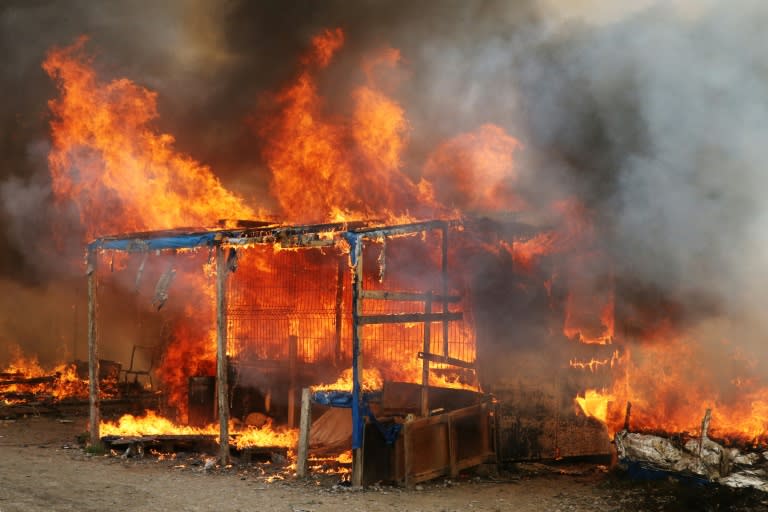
(276, 294)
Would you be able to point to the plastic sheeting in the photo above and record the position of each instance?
(185, 241)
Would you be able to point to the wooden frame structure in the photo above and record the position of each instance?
(250, 233)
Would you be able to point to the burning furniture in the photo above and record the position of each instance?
(296, 305)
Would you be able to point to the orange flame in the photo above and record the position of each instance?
(116, 168)
(595, 404)
(337, 169)
(151, 425)
(60, 382)
(475, 172)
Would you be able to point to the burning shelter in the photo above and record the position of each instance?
(295, 306)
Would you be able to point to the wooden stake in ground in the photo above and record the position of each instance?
(93, 360)
(704, 429)
(305, 423)
(627, 416)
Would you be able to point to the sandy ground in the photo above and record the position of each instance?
(43, 468)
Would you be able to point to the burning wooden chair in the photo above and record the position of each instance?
(143, 360)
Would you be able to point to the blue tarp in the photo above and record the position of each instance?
(341, 399)
(345, 399)
(182, 241)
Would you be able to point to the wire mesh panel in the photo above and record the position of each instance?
(413, 264)
(278, 294)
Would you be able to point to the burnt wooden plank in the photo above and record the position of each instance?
(436, 358)
(406, 318)
(30, 380)
(408, 296)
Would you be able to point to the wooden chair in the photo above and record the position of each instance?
(143, 359)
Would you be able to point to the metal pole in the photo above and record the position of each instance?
(93, 361)
(221, 354)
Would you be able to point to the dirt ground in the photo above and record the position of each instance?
(42, 467)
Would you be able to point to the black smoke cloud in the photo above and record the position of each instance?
(654, 117)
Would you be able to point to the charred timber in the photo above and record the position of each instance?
(31, 380)
(408, 296)
(437, 358)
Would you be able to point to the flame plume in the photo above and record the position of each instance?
(111, 163)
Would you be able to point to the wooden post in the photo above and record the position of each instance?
(425, 361)
(704, 429)
(293, 354)
(357, 355)
(452, 448)
(93, 361)
(407, 454)
(627, 415)
(305, 423)
(444, 269)
(221, 354)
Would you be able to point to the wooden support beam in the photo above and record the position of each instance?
(356, 256)
(93, 360)
(435, 358)
(408, 296)
(403, 229)
(305, 423)
(408, 454)
(222, 385)
(452, 449)
(407, 318)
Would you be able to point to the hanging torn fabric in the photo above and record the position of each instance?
(383, 259)
(161, 289)
(232, 260)
(140, 272)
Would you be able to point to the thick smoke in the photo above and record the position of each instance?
(655, 117)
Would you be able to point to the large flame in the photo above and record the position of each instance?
(108, 159)
(327, 167)
(153, 425)
(24, 379)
